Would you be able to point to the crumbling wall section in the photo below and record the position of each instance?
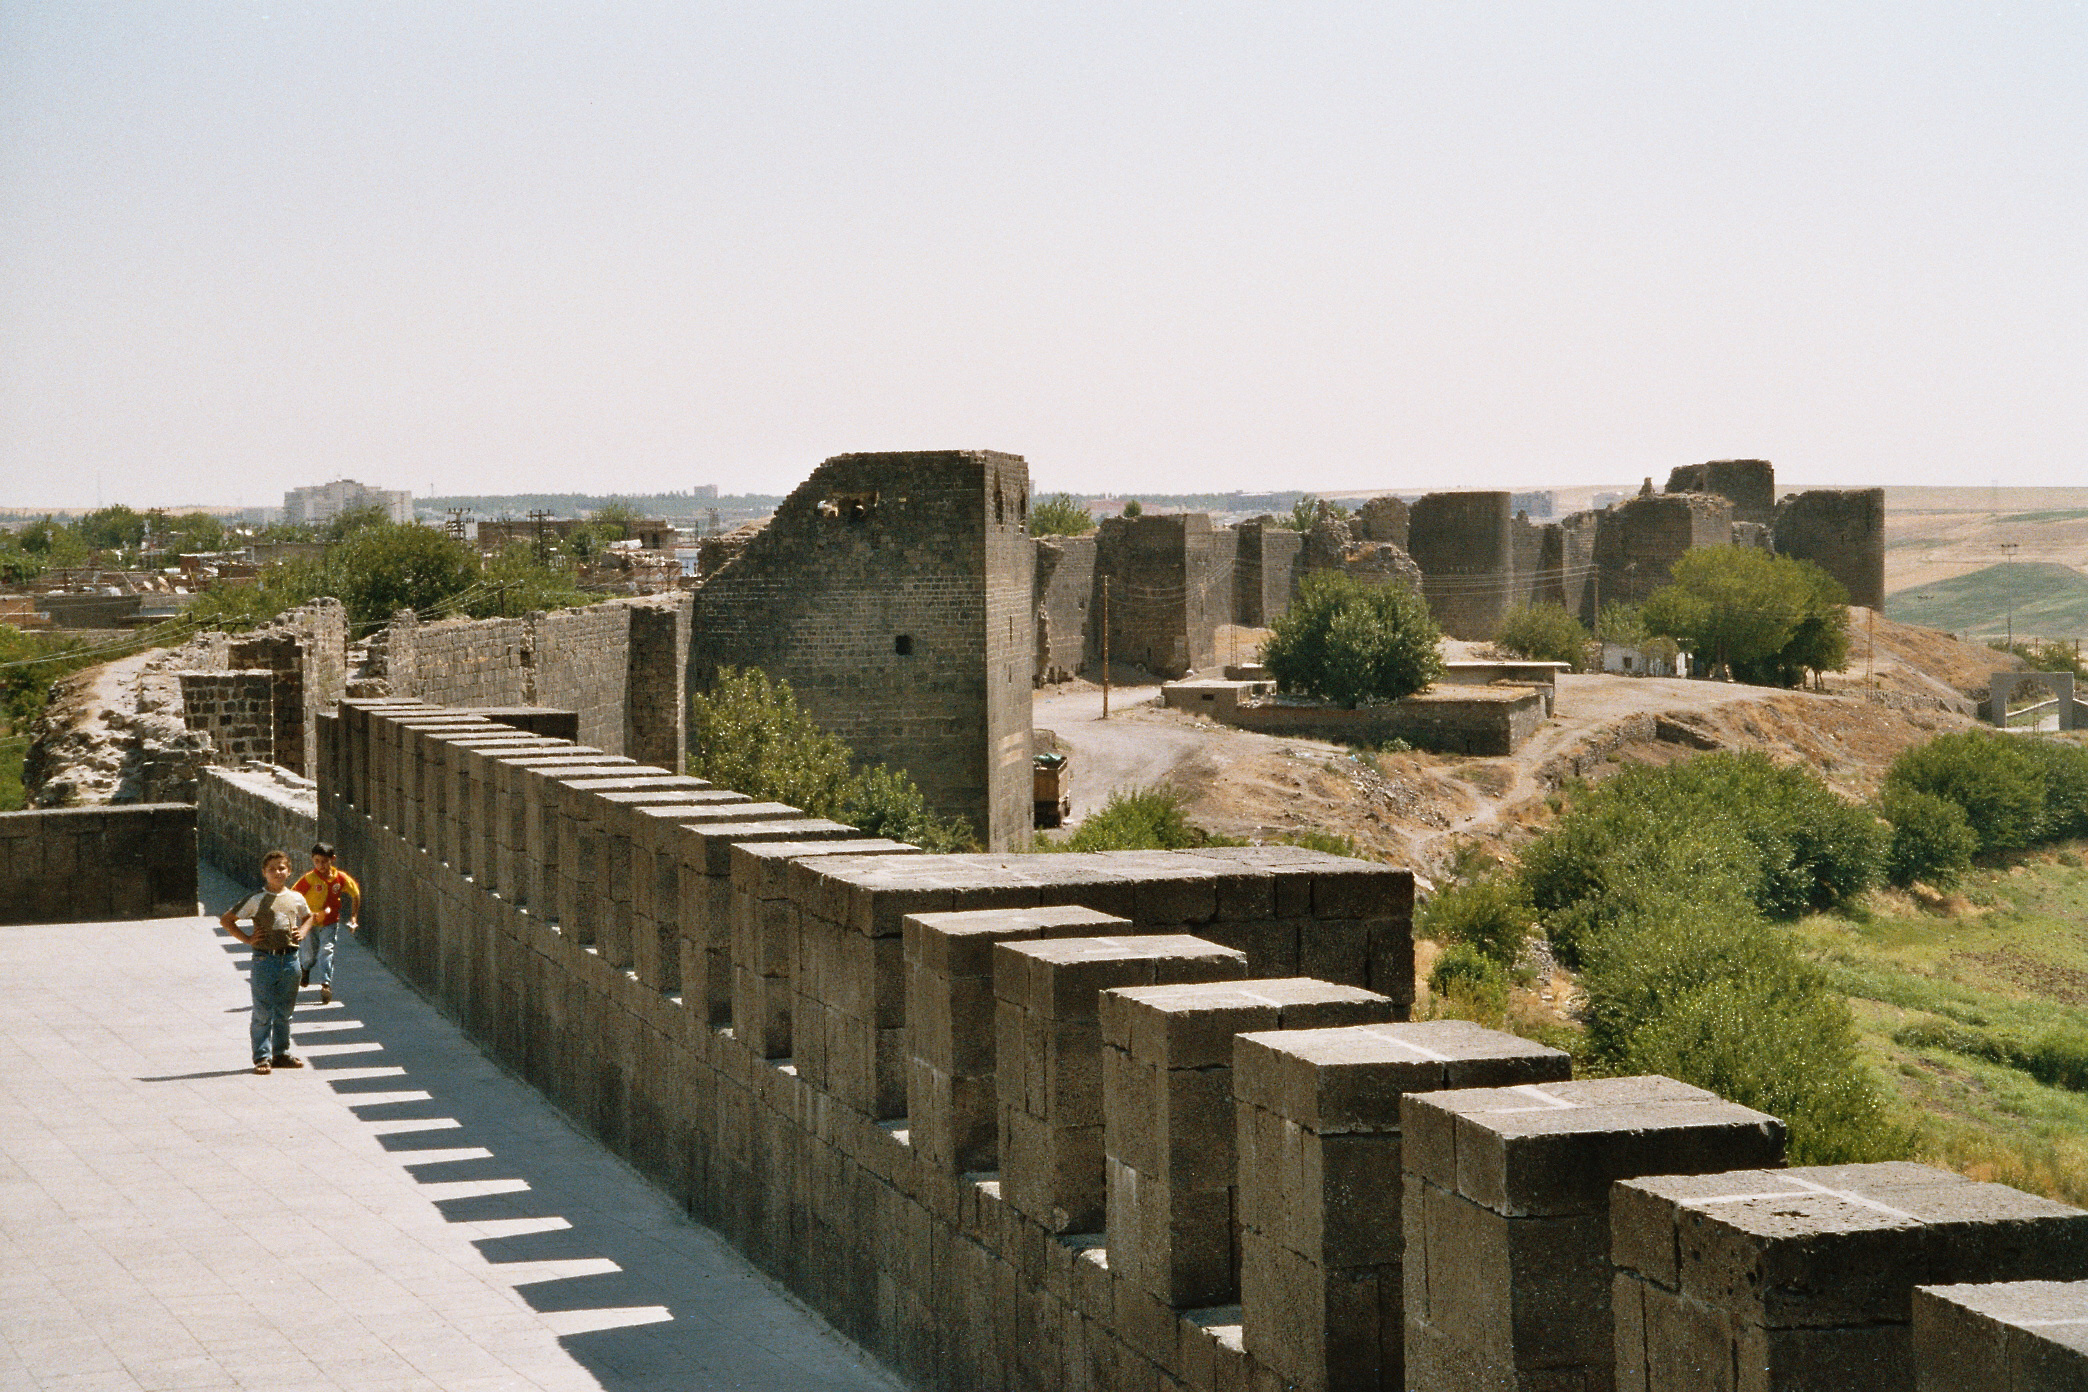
(1170, 586)
(1065, 589)
(1748, 484)
(621, 665)
(236, 710)
(1385, 519)
(893, 593)
(1638, 541)
(1465, 547)
(1842, 531)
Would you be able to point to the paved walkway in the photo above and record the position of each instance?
(401, 1214)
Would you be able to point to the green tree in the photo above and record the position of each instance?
(1932, 841)
(1138, 819)
(1348, 641)
(382, 569)
(114, 528)
(1307, 510)
(349, 521)
(1991, 777)
(1060, 515)
(1621, 623)
(1733, 606)
(1134, 509)
(748, 733)
(1492, 916)
(1544, 633)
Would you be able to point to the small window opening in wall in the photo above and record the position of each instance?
(902, 644)
(848, 507)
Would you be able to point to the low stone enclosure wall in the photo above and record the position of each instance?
(1449, 719)
(243, 814)
(94, 864)
(1130, 1120)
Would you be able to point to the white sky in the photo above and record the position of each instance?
(503, 247)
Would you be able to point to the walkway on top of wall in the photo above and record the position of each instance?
(400, 1214)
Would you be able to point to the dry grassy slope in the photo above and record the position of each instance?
(1418, 809)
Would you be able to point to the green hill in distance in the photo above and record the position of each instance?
(2048, 601)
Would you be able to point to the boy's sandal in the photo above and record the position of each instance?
(261, 1066)
(287, 1061)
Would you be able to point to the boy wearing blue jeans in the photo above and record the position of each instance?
(279, 920)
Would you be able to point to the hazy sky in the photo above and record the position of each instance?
(495, 247)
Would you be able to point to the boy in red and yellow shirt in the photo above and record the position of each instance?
(322, 887)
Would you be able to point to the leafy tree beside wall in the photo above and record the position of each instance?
(748, 733)
(1757, 617)
(1060, 515)
(1544, 633)
(1349, 641)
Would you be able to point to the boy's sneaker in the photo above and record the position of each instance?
(326, 994)
(287, 1061)
(261, 1065)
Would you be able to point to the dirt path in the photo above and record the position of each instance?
(1123, 751)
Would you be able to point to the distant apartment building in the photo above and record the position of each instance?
(323, 502)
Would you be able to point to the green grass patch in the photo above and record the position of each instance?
(2056, 515)
(2042, 596)
(1978, 1020)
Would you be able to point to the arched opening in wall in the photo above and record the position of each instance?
(902, 644)
(1000, 513)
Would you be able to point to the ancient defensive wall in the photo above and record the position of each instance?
(893, 593)
(1171, 583)
(1842, 531)
(1465, 546)
(1122, 1121)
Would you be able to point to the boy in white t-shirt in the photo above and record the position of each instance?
(279, 920)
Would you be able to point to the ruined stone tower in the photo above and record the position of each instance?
(1842, 531)
(1465, 547)
(893, 593)
(1748, 484)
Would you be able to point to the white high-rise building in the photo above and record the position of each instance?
(322, 502)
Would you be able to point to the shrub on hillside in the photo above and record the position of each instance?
(2065, 768)
(1693, 833)
(1490, 916)
(1348, 641)
(1993, 778)
(1466, 976)
(1931, 840)
(1717, 998)
(1142, 819)
(1543, 633)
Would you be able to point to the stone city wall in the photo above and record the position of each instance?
(1265, 571)
(243, 814)
(619, 665)
(1842, 531)
(1065, 591)
(1638, 541)
(235, 709)
(1748, 484)
(1170, 586)
(893, 593)
(1466, 551)
(93, 864)
(1119, 1121)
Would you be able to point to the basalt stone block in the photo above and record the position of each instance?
(1507, 1217)
(1804, 1278)
(1047, 1019)
(2012, 1336)
(1322, 1221)
(1170, 1123)
(951, 1088)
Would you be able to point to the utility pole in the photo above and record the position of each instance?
(2009, 548)
(1105, 647)
(1870, 651)
(457, 518)
(540, 517)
